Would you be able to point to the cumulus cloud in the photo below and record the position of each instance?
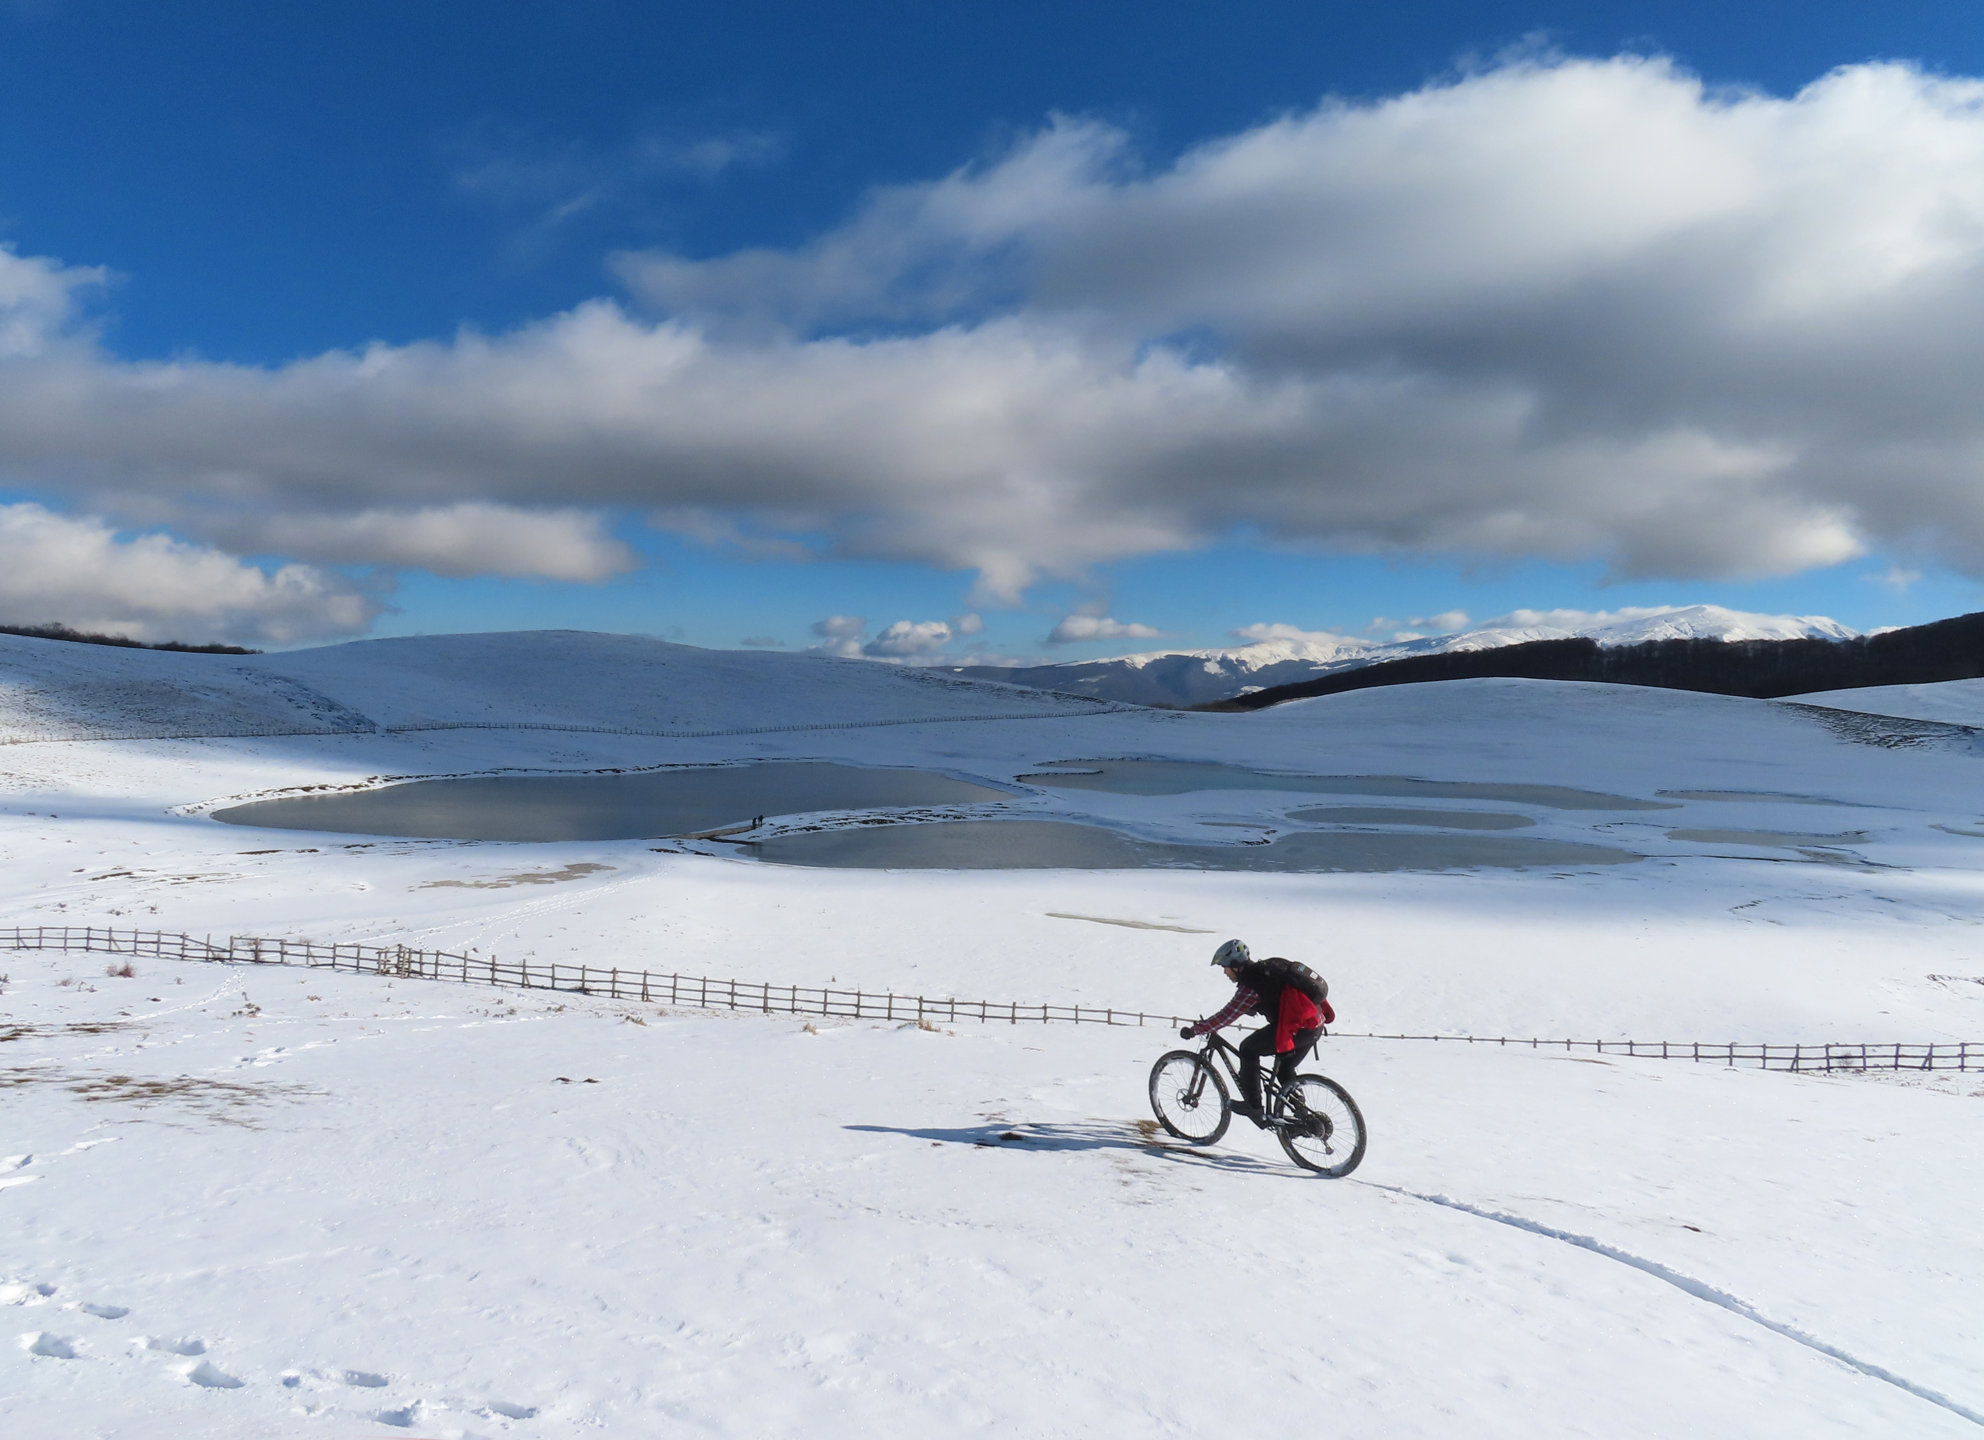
(840, 635)
(1073, 629)
(906, 638)
(1561, 308)
(1562, 619)
(1442, 623)
(1267, 634)
(153, 587)
(40, 301)
(470, 538)
(844, 635)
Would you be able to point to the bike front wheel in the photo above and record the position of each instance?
(1188, 1097)
(1324, 1129)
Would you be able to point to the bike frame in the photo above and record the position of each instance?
(1229, 1056)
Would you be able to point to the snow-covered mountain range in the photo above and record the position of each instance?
(1197, 677)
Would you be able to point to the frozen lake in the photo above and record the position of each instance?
(640, 805)
(1174, 777)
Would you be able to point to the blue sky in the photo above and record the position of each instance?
(713, 322)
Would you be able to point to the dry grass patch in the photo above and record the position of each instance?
(231, 1102)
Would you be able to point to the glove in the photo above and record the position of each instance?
(1190, 1032)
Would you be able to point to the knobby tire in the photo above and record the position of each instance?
(1189, 1098)
(1325, 1129)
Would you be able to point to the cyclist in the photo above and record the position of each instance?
(1294, 1025)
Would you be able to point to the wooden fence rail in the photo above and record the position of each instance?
(702, 992)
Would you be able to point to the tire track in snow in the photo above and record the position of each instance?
(1700, 1289)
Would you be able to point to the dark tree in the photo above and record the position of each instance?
(57, 631)
(1760, 669)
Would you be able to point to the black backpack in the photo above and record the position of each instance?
(1295, 973)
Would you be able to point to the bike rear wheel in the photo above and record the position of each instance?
(1188, 1097)
(1323, 1129)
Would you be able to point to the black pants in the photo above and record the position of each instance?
(1261, 1043)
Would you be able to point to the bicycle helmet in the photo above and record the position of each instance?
(1233, 952)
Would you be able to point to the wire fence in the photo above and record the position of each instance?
(1825, 1056)
(703, 992)
(693, 992)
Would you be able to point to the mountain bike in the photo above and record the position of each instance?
(1313, 1117)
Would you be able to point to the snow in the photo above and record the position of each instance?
(252, 1201)
(1196, 677)
(1951, 702)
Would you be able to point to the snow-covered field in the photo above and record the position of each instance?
(246, 1202)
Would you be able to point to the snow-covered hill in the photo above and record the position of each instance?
(52, 689)
(1197, 677)
(1953, 702)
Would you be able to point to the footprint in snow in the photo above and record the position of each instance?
(102, 1312)
(318, 1379)
(406, 1416)
(48, 1345)
(208, 1376)
(24, 1292)
(172, 1345)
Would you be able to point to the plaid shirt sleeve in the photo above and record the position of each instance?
(1244, 1000)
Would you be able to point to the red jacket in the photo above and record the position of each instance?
(1298, 1012)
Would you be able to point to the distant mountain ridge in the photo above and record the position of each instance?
(1942, 650)
(1186, 678)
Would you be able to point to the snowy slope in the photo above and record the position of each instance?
(374, 1205)
(375, 1209)
(53, 689)
(1196, 677)
(1954, 702)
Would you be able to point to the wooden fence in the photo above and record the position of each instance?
(702, 992)
(693, 992)
(1824, 1056)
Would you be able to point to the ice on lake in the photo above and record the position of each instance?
(627, 806)
(1402, 815)
(1176, 777)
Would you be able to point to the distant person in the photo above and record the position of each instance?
(1292, 998)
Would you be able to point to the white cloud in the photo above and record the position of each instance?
(1563, 309)
(1898, 578)
(840, 635)
(1263, 634)
(906, 638)
(1443, 623)
(469, 538)
(153, 587)
(1577, 619)
(39, 301)
(972, 624)
(1073, 629)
